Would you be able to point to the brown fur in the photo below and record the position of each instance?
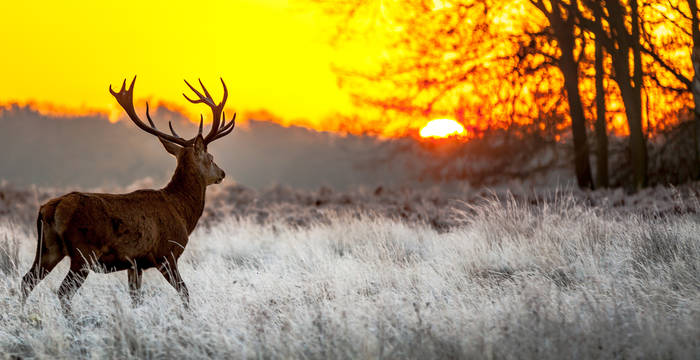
(135, 231)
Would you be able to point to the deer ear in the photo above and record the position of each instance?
(171, 148)
(199, 144)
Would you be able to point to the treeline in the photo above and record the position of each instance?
(549, 69)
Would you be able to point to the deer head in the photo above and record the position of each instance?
(190, 153)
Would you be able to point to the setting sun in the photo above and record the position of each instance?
(440, 128)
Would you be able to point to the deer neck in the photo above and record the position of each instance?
(187, 189)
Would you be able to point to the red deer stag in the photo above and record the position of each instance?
(135, 231)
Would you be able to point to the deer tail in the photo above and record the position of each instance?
(40, 237)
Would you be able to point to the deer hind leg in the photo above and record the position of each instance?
(135, 276)
(172, 275)
(72, 282)
(49, 252)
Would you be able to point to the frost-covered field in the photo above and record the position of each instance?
(563, 275)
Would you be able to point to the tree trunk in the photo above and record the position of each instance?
(632, 99)
(578, 124)
(695, 58)
(621, 42)
(631, 96)
(639, 146)
(601, 132)
(564, 33)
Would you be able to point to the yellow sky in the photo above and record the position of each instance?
(271, 54)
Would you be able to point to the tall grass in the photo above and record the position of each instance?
(516, 279)
(9, 249)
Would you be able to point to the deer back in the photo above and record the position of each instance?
(143, 225)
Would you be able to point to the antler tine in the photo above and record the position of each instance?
(125, 98)
(190, 100)
(172, 130)
(224, 125)
(223, 100)
(148, 116)
(217, 111)
(153, 125)
(201, 124)
(195, 91)
(223, 122)
(225, 131)
(202, 99)
(204, 88)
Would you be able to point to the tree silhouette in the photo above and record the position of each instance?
(535, 67)
(562, 26)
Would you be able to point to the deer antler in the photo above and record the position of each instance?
(125, 98)
(219, 127)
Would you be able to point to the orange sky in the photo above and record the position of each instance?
(64, 54)
(275, 56)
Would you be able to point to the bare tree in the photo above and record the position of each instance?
(562, 21)
(620, 42)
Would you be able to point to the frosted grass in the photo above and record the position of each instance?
(554, 279)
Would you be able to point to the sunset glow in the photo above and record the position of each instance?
(63, 55)
(280, 60)
(440, 128)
